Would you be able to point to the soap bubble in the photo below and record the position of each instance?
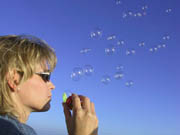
(120, 42)
(118, 2)
(139, 14)
(106, 79)
(118, 75)
(88, 70)
(120, 67)
(85, 50)
(111, 37)
(124, 15)
(166, 37)
(155, 48)
(142, 44)
(110, 49)
(168, 10)
(130, 13)
(151, 49)
(159, 46)
(164, 45)
(129, 83)
(130, 51)
(93, 34)
(133, 51)
(96, 33)
(144, 13)
(77, 73)
(144, 7)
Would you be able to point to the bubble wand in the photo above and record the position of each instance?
(68, 100)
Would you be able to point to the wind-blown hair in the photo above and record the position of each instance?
(22, 53)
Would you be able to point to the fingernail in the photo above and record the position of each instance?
(73, 94)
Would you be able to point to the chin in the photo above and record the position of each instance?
(45, 108)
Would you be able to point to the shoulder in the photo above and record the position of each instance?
(8, 128)
(28, 130)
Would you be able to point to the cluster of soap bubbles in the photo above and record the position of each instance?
(79, 72)
(160, 46)
(141, 13)
(119, 75)
(119, 72)
(110, 49)
(85, 50)
(157, 47)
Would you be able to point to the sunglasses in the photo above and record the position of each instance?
(45, 76)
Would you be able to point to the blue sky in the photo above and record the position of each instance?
(151, 105)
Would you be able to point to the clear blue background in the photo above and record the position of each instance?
(151, 105)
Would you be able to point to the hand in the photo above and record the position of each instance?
(83, 119)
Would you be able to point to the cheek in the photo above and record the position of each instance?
(34, 92)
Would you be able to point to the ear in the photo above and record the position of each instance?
(13, 79)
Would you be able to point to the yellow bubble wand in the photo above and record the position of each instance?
(64, 97)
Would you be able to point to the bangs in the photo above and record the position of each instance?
(37, 51)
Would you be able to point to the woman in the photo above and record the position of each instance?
(26, 63)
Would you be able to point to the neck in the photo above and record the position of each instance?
(23, 112)
(23, 117)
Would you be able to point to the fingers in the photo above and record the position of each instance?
(83, 120)
(93, 108)
(67, 113)
(76, 102)
(85, 104)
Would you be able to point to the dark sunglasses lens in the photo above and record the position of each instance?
(45, 77)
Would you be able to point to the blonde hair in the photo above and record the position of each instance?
(23, 53)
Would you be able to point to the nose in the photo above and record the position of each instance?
(51, 85)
